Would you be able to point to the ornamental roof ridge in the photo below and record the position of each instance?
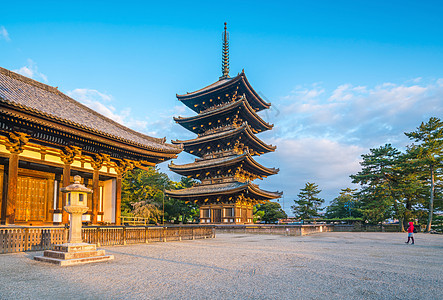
(13, 94)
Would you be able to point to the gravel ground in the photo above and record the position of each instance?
(333, 265)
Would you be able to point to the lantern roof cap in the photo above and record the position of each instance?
(76, 186)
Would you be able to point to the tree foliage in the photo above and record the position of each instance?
(269, 212)
(346, 205)
(428, 155)
(377, 179)
(308, 204)
(405, 186)
(143, 196)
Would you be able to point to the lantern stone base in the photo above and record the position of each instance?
(74, 254)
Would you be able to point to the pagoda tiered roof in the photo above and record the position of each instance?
(246, 161)
(220, 90)
(204, 144)
(229, 188)
(224, 112)
(226, 124)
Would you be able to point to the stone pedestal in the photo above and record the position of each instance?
(74, 254)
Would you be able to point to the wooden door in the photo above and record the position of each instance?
(31, 199)
(244, 215)
(217, 215)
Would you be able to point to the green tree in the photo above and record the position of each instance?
(272, 211)
(142, 193)
(428, 154)
(308, 204)
(378, 183)
(178, 210)
(344, 206)
(411, 190)
(258, 214)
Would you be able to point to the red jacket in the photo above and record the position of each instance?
(411, 227)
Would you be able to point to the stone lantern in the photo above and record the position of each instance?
(75, 251)
(77, 200)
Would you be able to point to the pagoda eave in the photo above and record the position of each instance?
(190, 99)
(195, 123)
(246, 160)
(195, 146)
(201, 191)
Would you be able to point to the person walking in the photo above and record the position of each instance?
(410, 233)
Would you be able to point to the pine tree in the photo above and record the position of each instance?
(308, 204)
(428, 154)
(378, 180)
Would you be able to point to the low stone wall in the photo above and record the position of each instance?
(367, 228)
(290, 230)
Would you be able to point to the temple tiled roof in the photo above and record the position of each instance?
(222, 189)
(38, 98)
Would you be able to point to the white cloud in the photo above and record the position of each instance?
(369, 116)
(321, 135)
(100, 103)
(325, 162)
(31, 71)
(4, 34)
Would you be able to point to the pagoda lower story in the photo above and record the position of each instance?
(225, 203)
(226, 213)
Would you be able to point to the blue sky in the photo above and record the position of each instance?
(343, 76)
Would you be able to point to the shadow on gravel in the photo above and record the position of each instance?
(167, 260)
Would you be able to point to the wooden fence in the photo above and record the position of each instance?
(18, 239)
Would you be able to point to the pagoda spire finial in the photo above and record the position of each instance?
(225, 55)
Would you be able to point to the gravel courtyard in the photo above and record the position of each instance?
(332, 265)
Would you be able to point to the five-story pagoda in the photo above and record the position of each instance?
(225, 124)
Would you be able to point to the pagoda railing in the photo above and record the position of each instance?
(26, 238)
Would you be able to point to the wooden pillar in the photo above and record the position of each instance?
(118, 198)
(97, 163)
(95, 195)
(66, 182)
(12, 188)
(15, 145)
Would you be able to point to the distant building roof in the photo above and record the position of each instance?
(47, 101)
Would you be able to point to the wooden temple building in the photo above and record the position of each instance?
(46, 138)
(226, 125)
